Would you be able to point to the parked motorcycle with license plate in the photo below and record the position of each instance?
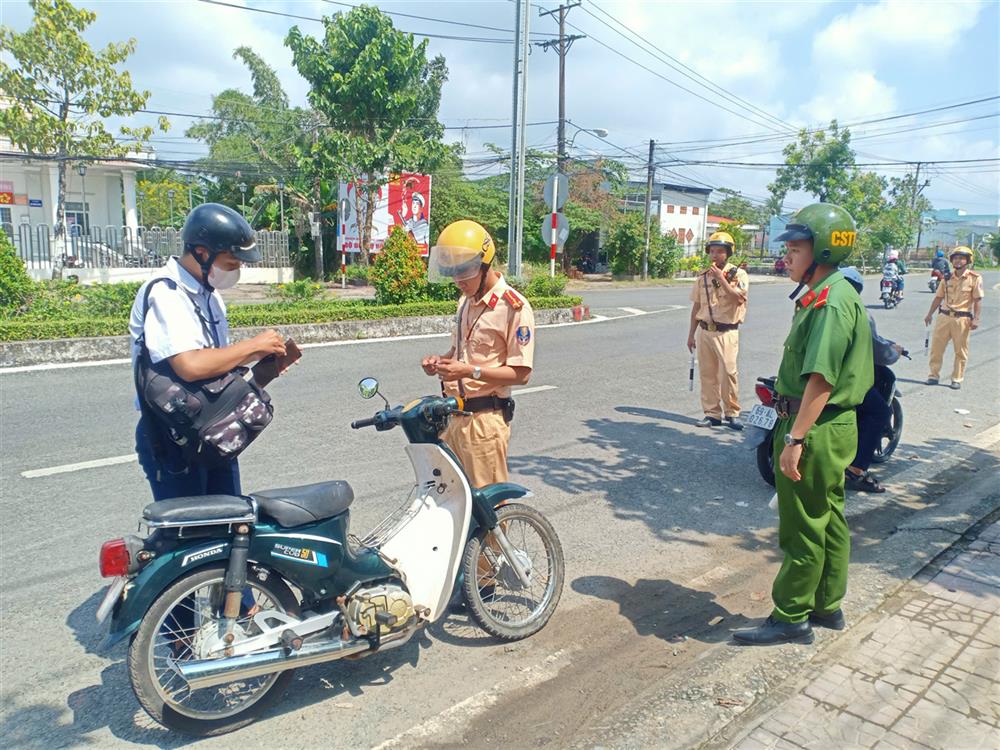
(227, 595)
(761, 421)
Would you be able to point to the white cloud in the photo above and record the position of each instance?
(852, 95)
(892, 27)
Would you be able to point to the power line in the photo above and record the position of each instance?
(484, 40)
(435, 20)
(677, 65)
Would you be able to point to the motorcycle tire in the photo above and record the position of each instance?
(487, 574)
(765, 460)
(890, 441)
(143, 655)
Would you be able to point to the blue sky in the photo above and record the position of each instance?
(799, 62)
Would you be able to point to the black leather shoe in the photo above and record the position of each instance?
(955, 385)
(775, 631)
(709, 422)
(932, 381)
(833, 621)
(735, 423)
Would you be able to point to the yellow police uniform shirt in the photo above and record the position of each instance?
(496, 330)
(959, 294)
(724, 307)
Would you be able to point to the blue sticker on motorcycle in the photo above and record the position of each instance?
(523, 335)
(300, 555)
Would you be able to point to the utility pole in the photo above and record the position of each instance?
(522, 139)
(562, 46)
(913, 204)
(649, 200)
(318, 208)
(513, 259)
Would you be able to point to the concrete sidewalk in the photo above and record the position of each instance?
(923, 672)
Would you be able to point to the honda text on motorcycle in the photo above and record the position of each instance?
(227, 595)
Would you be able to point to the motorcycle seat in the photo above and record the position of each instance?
(208, 510)
(297, 506)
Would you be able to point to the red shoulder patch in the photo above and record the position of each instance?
(512, 299)
(821, 299)
(807, 299)
(493, 301)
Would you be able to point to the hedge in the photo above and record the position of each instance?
(275, 314)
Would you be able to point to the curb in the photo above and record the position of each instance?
(67, 351)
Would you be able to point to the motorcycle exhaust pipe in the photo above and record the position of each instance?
(210, 672)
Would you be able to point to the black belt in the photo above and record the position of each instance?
(957, 313)
(487, 403)
(786, 407)
(718, 326)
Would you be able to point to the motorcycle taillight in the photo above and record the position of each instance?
(114, 558)
(764, 394)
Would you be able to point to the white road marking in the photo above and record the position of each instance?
(632, 310)
(351, 342)
(534, 389)
(66, 468)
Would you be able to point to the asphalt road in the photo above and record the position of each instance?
(664, 525)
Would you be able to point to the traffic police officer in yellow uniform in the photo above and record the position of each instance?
(720, 305)
(492, 348)
(959, 299)
(825, 371)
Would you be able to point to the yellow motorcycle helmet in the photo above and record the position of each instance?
(721, 239)
(964, 251)
(462, 248)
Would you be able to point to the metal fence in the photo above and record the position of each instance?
(121, 247)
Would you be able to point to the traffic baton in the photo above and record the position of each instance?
(927, 338)
(691, 374)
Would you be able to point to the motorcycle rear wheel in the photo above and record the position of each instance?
(894, 432)
(498, 602)
(765, 460)
(164, 638)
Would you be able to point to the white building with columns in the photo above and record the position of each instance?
(103, 196)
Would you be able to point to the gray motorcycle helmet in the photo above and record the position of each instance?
(854, 276)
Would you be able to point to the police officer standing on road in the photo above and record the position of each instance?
(959, 299)
(825, 372)
(185, 324)
(720, 305)
(492, 347)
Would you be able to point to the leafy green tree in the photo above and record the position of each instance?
(255, 139)
(378, 96)
(734, 206)
(64, 90)
(398, 273)
(820, 163)
(739, 235)
(16, 285)
(153, 197)
(454, 197)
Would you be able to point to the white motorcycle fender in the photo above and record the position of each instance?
(428, 542)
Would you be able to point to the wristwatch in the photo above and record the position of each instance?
(789, 440)
(477, 372)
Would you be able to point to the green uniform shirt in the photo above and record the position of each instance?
(830, 335)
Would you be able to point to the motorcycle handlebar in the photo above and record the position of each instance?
(357, 424)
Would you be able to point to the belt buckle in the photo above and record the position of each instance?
(712, 327)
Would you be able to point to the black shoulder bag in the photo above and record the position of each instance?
(210, 421)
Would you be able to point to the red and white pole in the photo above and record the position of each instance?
(343, 257)
(555, 223)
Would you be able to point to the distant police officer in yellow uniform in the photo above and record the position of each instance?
(492, 347)
(826, 370)
(720, 305)
(959, 299)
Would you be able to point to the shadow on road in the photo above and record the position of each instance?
(664, 609)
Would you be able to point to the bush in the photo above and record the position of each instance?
(109, 300)
(545, 286)
(16, 286)
(304, 289)
(441, 292)
(271, 314)
(398, 273)
(356, 272)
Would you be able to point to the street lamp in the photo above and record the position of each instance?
(81, 170)
(599, 132)
(243, 196)
(281, 202)
(170, 197)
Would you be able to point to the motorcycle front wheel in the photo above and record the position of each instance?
(498, 601)
(179, 627)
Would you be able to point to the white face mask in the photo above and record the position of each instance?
(220, 279)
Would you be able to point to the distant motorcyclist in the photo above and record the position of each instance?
(940, 263)
(874, 412)
(894, 269)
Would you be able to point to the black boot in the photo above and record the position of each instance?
(775, 631)
(832, 621)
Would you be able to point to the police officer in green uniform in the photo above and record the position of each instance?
(826, 369)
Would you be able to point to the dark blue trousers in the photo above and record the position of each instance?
(873, 418)
(173, 477)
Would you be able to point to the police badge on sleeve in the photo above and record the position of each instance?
(523, 335)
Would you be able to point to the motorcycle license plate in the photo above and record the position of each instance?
(111, 598)
(762, 416)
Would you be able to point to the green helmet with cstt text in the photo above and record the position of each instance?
(831, 229)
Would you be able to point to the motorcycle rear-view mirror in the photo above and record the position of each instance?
(368, 388)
